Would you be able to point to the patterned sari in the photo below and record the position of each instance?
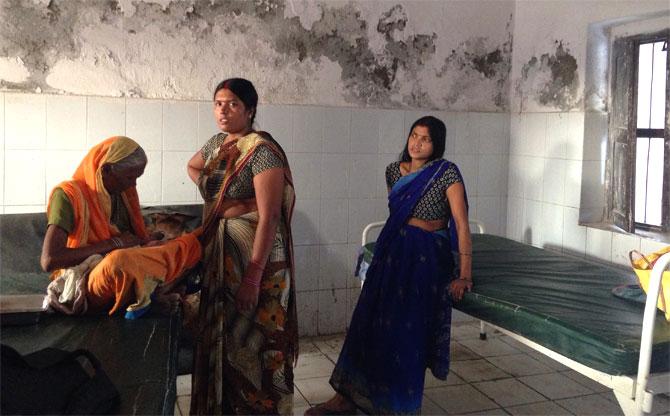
(402, 322)
(244, 361)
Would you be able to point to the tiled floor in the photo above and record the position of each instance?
(498, 376)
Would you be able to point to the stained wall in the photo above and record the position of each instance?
(339, 82)
(548, 134)
(431, 54)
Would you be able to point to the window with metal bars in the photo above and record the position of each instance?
(639, 154)
(649, 133)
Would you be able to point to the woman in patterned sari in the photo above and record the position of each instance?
(247, 339)
(401, 324)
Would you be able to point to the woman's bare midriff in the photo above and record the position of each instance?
(426, 225)
(236, 207)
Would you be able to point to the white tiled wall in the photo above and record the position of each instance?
(545, 180)
(338, 157)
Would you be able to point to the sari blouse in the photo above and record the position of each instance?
(243, 186)
(433, 205)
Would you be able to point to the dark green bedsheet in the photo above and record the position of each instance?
(139, 356)
(562, 303)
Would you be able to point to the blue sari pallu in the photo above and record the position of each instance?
(402, 322)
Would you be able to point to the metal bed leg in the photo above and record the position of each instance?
(482, 330)
(643, 399)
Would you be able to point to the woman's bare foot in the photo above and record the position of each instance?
(337, 405)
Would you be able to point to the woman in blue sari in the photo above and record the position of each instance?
(402, 322)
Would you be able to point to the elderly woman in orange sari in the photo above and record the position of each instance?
(247, 341)
(95, 220)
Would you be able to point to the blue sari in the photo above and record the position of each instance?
(402, 322)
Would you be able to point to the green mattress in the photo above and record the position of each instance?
(561, 302)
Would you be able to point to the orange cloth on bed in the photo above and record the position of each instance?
(124, 272)
(129, 275)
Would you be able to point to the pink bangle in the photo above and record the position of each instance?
(251, 282)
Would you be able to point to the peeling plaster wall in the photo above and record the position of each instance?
(548, 63)
(432, 54)
(548, 126)
(339, 82)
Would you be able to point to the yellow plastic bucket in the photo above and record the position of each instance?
(642, 266)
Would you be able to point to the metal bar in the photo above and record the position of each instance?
(649, 133)
(644, 363)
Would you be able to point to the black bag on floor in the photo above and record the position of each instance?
(53, 381)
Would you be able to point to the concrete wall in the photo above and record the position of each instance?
(547, 133)
(432, 54)
(339, 82)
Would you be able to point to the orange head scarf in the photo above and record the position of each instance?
(90, 200)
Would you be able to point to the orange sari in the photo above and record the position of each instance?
(128, 273)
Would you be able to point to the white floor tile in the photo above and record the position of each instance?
(587, 382)
(184, 385)
(549, 362)
(429, 407)
(300, 411)
(315, 390)
(299, 400)
(467, 330)
(184, 403)
(507, 382)
(590, 405)
(516, 344)
(520, 365)
(490, 347)
(661, 405)
(555, 386)
(461, 353)
(477, 370)
(307, 348)
(538, 409)
(509, 392)
(432, 382)
(460, 399)
(488, 412)
(313, 366)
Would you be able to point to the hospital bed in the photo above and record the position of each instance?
(140, 356)
(563, 307)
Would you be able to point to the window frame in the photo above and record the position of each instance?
(623, 134)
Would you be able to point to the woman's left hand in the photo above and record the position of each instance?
(458, 287)
(247, 297)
